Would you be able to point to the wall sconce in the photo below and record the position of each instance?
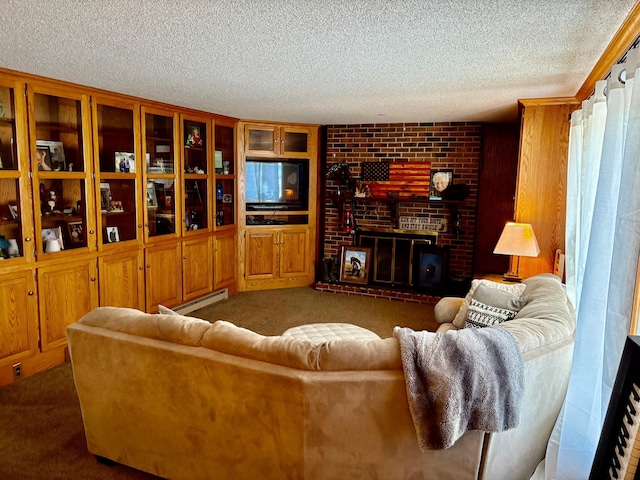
(517, 239)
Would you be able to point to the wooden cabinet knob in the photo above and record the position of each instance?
(148, 266)
(139, 225)
(93, 279)
(30, 293)
(92, 232)
(184, 258)
(28, 239)
(141, 267)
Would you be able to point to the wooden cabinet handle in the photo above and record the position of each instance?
(148, 266)
(184, 258)
(31, 293)
(91, 232)
(141, 267)
(93, 279)
(139, 225)
(28, 239)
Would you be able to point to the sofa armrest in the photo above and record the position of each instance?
(445, 310)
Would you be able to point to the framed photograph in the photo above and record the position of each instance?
(440, 181)
(227, 198)
(76, 233)
(44, 159)
(57, 160)
(105, 197)
(125, 162)
(193, 136)
(354, 267)
(13, 209)
(152, 199)
(112, 235)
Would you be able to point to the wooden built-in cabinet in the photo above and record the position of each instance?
(19, 314)
(105, 200)
(285, 141)
(121, 278)
(224, 259)
(277, 246)
(275, 256)
(66, 292)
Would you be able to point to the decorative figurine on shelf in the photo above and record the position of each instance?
(194, 139)
(219, 192)
(52, 201)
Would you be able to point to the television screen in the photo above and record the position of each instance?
(276, 184)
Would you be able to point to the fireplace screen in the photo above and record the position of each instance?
(402, 259)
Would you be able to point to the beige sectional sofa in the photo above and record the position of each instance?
(182, 398)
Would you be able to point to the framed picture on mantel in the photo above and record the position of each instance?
(440, 181)
(354, 267)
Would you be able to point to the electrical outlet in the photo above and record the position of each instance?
(17, 370)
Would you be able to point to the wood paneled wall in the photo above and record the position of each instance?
(542, 180)
(496, 193)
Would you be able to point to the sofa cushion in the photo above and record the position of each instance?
(337, 355)
(490, 306)
(287, 351)
(326, 332)
(169, 328)
(515, 289)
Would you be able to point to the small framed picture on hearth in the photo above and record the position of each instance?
(440, 181)
(354, 267)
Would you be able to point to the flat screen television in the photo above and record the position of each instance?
(277, 184)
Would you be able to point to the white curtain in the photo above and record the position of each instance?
(602, 250)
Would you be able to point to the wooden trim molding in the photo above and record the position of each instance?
(620, 43)
(528, 102)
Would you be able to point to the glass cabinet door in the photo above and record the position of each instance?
(225, 194)
(196, 171)
(16, 230)
(61, 171)
(162, 189)
(118, 167)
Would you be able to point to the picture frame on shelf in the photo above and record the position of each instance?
(105, 197)
(440, 181)
(76, 233)
(193, 136)
(13, 210)
(354, 266)
(57, 160)
(125, 162)
(113, 235)
(218, 161)
(152, 199)
(44, 159)
(227, 198)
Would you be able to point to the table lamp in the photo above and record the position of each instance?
(519, 240)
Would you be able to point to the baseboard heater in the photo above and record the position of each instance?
(202, 302)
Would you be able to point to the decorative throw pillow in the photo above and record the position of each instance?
(490, 306)
(516, 289)
(166, 311)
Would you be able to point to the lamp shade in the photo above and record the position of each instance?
(517, 239)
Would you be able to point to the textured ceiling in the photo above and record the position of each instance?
(317, 61)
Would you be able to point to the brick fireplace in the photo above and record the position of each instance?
(448, 145)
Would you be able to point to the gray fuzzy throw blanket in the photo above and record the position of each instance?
(469, 379)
